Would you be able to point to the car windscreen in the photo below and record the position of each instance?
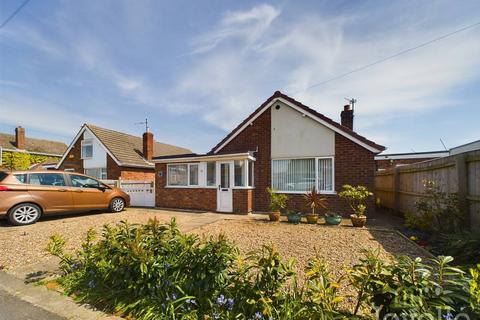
(3, 175)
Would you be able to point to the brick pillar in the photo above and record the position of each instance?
(20, 138)
(148, 145)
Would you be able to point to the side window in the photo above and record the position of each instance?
(22, 178)
(83, 182)
(47, 179)
(87, 149)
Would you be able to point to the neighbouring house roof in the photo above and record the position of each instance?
(126, 149)
(278, 96)
(38, 146)
(412, 155)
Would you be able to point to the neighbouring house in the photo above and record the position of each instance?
(386, 161)
(392, 160)
(19, 152)
(283, 144)
(113, 155)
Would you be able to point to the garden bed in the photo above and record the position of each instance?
(341, 247)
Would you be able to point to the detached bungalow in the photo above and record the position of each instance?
(283, 144)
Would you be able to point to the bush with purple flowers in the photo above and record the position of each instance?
(154, 271)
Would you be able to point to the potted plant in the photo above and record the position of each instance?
(355, 198)
(294, 217)
(333, 219)
(277, 202)
(313, 200)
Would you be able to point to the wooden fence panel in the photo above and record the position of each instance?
(401, 187)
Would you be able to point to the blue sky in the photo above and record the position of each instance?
(197, 68)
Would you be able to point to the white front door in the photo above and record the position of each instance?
(224, 188)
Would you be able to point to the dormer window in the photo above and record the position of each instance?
(87, 149)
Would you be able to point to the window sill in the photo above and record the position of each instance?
(304, 192)
(206, 187)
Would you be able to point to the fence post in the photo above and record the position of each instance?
(462, 185)
(396, 191)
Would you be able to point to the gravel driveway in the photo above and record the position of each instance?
(22, 248)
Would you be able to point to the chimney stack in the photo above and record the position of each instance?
(20, 138)
(347, 117)
(148, 145)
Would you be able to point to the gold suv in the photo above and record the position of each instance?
(26, 195)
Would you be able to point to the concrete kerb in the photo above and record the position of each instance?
(51, 301)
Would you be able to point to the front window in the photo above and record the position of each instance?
(182, 175)
(47, 179)
(193, 174)
(99, 173)
(301, 175)
(240, 173)
(87, 149)
(211, 174)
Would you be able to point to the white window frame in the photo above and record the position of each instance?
(188, 176)
(102, 171)
(202, 182)
(316, 175)
(215, 186)
(87, 142)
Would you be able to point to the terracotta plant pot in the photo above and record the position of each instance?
(333, 220)
(312, 218)
(274, 216)
(358, 222)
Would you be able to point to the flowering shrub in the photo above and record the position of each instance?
(154, 271)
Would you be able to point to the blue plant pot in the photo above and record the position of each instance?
(294, 218)
(333, 220)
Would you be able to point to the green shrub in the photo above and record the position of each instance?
(154, 271)
(411, 289)
(464, 246)
(438, 211)
(278, 201)
(355, 198)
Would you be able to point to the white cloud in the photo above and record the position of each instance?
(247, 56)
(244, 26)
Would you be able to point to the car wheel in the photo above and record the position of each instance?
(24, 214)
(117, 205)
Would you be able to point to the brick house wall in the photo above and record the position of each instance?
(114, 171)
(242, 200)
(73, 160)
(185, 198)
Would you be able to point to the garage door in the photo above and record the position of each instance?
(142, 193)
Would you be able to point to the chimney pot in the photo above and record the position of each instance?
(148, 145)
(347, 117)
(20, 137)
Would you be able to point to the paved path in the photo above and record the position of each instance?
(13, 308)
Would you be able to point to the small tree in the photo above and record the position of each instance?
(355, 198)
